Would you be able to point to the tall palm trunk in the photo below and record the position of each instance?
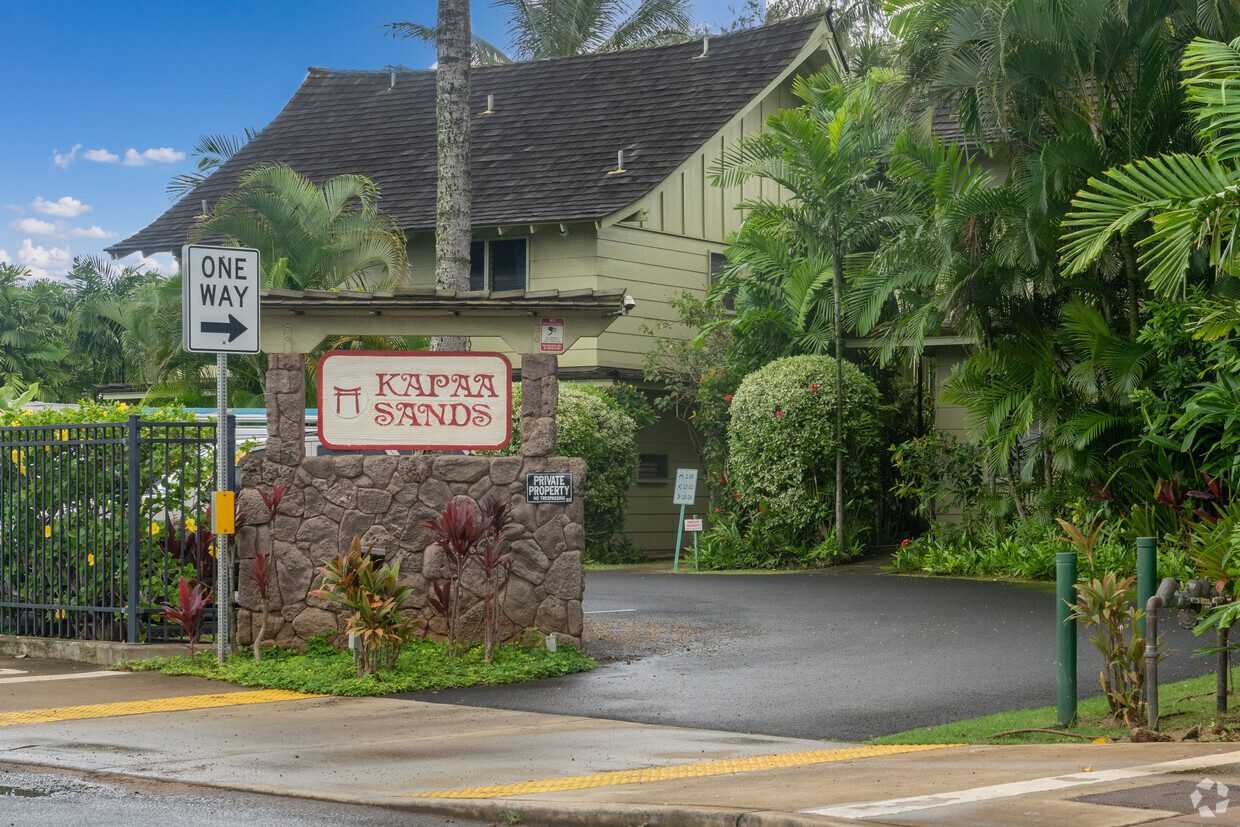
(452, 204)
(837, 266)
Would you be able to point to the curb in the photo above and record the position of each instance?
(532, 812)
(100, 652)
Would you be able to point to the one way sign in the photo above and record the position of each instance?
(219, 295)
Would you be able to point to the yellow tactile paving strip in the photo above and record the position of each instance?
(678, 771)
(74, 713)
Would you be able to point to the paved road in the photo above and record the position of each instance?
(843, 655)
(52, 799)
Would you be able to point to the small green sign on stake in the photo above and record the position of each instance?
(684, 494)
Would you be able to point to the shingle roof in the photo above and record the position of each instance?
(541, 156)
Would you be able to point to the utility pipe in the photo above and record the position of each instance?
(1165, 596)
(1065, 599)
(1147, 571)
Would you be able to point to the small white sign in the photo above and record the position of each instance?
(551, 335)
(686, 486)
(219, 299)
(693, 525)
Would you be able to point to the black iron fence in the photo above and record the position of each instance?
(98, 523)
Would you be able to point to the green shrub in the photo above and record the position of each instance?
(782, 450)
(592, 426)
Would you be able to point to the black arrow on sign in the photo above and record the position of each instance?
(233, 327)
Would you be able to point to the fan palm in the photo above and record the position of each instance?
(309, 236)
(212, 151)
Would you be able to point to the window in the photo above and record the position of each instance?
(652, 466)
(717, 260)
(498, 264)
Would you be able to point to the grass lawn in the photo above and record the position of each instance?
(1181, 706)
(326, 671)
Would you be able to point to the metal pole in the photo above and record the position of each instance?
(1220, 683)
(223, 566)
(1147, 573)
(1151, 661)
(1065, 598)
(695, 548)
(133, 558)
(679, 528)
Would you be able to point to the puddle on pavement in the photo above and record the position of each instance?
(22, 792)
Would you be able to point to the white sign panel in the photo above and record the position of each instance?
(693, 525)
(551, 335)
(686, 486)
(416, 400)
(219, 299)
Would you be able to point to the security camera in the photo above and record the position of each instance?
(629, 304)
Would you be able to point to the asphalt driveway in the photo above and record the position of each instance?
(847, 654)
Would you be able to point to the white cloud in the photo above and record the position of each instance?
(94, 232)
(161, 262)
(44, 264)
(162, 155)
(34, 226)
(100, 156)
(66, 207)
(65, 160)
(4, 257)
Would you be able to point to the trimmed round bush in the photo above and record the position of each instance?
(591, 425)
(782, 448)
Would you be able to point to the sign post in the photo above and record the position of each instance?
(685, 494)
(220, 315)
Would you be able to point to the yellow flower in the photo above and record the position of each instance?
(122, 407)
(58, 614)
(27, 411)
(64, 435)
(190, 524)
(16, 456)
(154, 529)
(90, 559)
(47, 531)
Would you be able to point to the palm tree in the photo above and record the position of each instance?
(1192, 202)
(212, 151)
(826, 156)
(561, 28)
(310, 236)
(33, 349)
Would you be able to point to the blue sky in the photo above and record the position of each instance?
(103, 101)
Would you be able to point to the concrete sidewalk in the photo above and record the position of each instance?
(479, 763)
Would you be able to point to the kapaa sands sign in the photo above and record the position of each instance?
(415, 400)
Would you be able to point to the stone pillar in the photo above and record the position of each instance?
(286, 408)
(540, 393)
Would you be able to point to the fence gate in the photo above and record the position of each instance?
(98, 523)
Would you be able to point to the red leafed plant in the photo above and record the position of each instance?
(189, 608)
(496, 569)
(457, 531)
(264, 566)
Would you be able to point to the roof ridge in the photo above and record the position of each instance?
(320, 71)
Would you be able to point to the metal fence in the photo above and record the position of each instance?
(98, 523)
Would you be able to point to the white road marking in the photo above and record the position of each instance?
(894, 806)
(68, 677)
(13, 671)
(608, 611)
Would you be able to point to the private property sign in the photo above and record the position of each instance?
(415, 400)
(219, 299)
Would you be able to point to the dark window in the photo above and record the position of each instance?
(652, 466)
(717, 260)
(477, 265)
(498, 264)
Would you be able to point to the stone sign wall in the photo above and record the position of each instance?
(382, 500)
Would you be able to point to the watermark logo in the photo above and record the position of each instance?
(1210, 798)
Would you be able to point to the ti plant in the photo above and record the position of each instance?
(188, 611)
(264, 564)
(496, 569)
(1102, 605)
(374, 599)
(457, 531)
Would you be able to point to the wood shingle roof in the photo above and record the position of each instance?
(544, 152)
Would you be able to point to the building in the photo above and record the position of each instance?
(590, 173)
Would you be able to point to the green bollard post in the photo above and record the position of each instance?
(1065, 598)
(1147, 575)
